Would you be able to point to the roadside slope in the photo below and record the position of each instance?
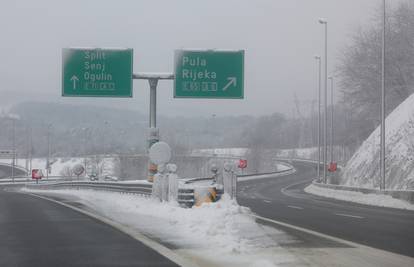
(363, 169)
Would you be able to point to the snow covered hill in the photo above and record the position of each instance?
(363, 169)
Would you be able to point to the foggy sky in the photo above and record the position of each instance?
(280, 39)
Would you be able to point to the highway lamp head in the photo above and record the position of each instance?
(317, 57)
(322, 21)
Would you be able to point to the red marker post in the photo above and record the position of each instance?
(242, 164)
(333, 167)
(37, 174)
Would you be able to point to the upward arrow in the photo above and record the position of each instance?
(74, 79)
(232, 81)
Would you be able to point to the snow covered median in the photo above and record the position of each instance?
(215, 234)
(358, 197)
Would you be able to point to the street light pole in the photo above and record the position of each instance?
(30, 149)
(332, 119)
(14, 148)
(104, 139)
(26, 144)
(84, 146)
(382, 152)
(325, 145)
(212, 127)
(48, 151)
(318, 59)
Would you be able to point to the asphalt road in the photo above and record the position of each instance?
(283, 199)
(6, 171)
(36, 232)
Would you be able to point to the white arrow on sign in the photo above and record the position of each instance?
(232, 81)
(74, 79)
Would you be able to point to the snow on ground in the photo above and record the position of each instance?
(280, 167)
(215, 234)
(363, 169)
(61, 165)
(303, 153)
(229, 152)
(58, 165)
(358, 197)
(306, 153)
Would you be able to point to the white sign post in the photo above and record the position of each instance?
(160, 154)
(229, 180)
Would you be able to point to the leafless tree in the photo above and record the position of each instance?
(360, 69)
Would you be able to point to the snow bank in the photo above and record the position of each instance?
(363, 168)
(358, 197)
(220, 234)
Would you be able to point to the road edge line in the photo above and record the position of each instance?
(329, 237)
(161, 249)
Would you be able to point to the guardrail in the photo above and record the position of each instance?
(407, 195)
(26, 179)
(185, 194)
(144, 189)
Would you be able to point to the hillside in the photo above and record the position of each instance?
(363, 169)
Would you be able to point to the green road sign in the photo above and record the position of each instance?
(209, 74)
(97, 72)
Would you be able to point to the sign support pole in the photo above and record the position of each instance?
(153, 82)
(153, 133)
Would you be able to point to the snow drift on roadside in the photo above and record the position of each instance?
(222, 233)
(363, 168)
(358, 197)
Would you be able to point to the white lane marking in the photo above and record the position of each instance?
(267, 201)
(295, 207)
(349, 215)
(304, 230)
(286, 192)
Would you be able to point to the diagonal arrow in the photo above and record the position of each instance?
(74, 79)
(232, 81)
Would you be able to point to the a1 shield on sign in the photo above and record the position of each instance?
(209, 74)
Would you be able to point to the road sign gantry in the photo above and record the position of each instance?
(97, 72)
